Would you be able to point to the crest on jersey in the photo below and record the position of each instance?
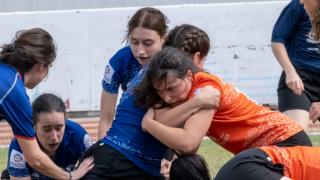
(87, 141)
(108, 73)
(17, 160)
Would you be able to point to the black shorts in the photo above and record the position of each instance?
(287, 100)
(299, 139)
(111, 164)
(5, 175)
(251, 164)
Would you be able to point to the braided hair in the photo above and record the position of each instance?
(190, 39)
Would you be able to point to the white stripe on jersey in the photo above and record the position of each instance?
(10, 89)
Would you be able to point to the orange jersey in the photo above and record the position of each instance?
(299, 162)
(240, 123)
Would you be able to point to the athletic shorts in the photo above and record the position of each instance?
(287, 100)
(110, 164)
(5, 175)
(299, 139)
(251, 164)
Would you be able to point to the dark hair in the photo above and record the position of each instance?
(316, 24)
(149, 18)
(162, 63)
(190, 39)
(47, 103)
(189, 167)
(29, 48)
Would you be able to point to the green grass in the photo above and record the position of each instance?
(214, 154)
(315, 140)
(3, 158)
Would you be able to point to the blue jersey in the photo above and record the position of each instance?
(121, 68)
(75, 141)
(15, 106)
(126, 134)
(293, 30)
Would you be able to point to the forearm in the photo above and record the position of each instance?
(45, 165)
(281, 54)
(107, 109)
(20, 178)
(175, 117)
(175, 138)
(39, 160)
(104, 126)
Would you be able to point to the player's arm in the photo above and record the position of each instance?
(42, 163)
(186, 139)
(107, 110)
(207, 97)
(283, 30)
(293, 80)
(20, 178)
(112, 79)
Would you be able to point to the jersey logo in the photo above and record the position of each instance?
(311, 40)
(87, 141)
(35, 175)
(108, 73)
(17, 160)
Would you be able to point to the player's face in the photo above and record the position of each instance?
(173, 90)
(144, 43)
(50, 130)
(311, 6)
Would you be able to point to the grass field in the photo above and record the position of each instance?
(3, 158)
(214, 154)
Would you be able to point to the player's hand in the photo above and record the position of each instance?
(208, 97)
(294, 82)
(166, 167)
(314, 111)
(85, 166)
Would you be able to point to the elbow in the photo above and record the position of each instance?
(188, 147)
(35, 163)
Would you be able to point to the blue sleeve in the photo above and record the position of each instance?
(287, 22)
(113, 74)
(17, 165)
(16, 109)
(110, 82)
(80, 139)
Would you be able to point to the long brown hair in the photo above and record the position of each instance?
(315, 21)
(28, 48)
